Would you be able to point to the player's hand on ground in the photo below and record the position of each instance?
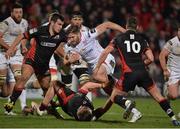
(166, 74)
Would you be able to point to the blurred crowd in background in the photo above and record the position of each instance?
(157, 19)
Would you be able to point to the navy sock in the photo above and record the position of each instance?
(166, 107)
(120, 100)
(15, 95)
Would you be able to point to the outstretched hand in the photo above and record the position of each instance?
(10, 52)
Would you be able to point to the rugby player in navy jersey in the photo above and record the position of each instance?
(131, 45)
(75, 104)
(46, 41)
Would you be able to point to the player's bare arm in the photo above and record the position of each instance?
(12, 49)
(162, 58)
(150, 57)
(23, 46)
(104, 55)
(60, 50)
(109, 25)
(3, 29)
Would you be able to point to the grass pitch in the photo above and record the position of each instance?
(153, 117)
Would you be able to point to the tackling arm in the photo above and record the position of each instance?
(150, 57)
(162, 58)
(11, 50)
(3, 29)
(109, 25)
(104, 55)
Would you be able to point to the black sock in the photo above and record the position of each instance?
(15, 95)
(120, 100)
(1, 94)
(167, 108)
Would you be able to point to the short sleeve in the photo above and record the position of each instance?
(168, 46)
(31, 33)
(3, 26)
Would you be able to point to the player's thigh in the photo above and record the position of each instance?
(145, 80)
(3, 66)
(127, 82)
(44, 81)
(101, 74)
(27, 71)
(173, 90)
(3, 76)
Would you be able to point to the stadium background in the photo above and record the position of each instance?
(157, 18)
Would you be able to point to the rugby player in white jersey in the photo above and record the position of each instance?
(9, 29)
(90, 50)
(171, 69)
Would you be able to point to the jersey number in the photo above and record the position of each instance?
(135, 46)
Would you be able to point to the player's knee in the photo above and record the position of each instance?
(84, 78)
(2, 80)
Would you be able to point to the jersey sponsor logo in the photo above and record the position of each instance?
(31, 31)
(91, 31)
(48, 44)
(112, 63)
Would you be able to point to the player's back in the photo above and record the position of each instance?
(131, 46)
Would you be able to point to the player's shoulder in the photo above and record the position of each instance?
(40, 29)
(174, 40)
(8, 21)
(119, 36)
(24, 21)
(84, 28)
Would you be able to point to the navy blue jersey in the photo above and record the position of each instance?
(131, 46)
(70, 101)
(44, 44)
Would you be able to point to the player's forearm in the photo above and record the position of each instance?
(147, 61)
(3, 44)
(89, 86)
(23, 42)
(162, 60)
(102, 59)
(17, 41)
(114, 26)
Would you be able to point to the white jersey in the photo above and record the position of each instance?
(69, 49)
(173, 46)
(89, 48)
(11, 30)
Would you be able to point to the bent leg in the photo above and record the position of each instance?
(173, 90)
